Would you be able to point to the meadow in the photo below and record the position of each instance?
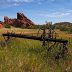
(25, 55)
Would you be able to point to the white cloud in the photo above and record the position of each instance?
(56, 14)
(19, 0)
(9, 3)
(15, 4)
(39, 3)
(25, 0)
(1, 16)
(52, 0)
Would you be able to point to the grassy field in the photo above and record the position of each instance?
(24, 55)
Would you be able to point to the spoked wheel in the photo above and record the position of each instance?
(63, 50)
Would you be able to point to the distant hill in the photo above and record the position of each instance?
(64, 26)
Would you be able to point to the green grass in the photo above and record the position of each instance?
(24, 55)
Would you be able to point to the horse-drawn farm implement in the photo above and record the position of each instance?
(48, 38)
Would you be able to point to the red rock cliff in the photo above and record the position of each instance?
(21, 20)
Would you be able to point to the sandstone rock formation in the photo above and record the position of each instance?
(21, 20)
(1, 24)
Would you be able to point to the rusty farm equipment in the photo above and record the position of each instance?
(48, 38)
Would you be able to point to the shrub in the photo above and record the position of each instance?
(63, 29)
(7, 26)
(70, 30)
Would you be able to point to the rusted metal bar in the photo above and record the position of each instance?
(35, 38)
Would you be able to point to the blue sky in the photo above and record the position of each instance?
(38, 11)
